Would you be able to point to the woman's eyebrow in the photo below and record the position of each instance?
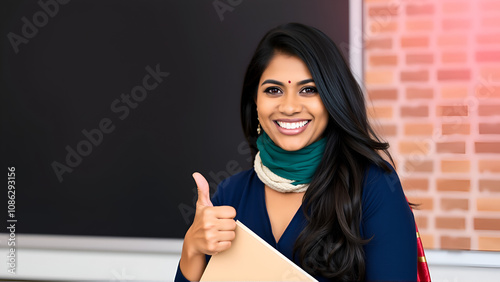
(305, 81)
(272, 81)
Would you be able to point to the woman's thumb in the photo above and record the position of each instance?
(203, 190)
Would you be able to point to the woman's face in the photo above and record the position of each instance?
(288, 104)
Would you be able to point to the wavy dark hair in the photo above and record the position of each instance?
(330, 245)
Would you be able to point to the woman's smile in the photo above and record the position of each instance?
(291, 127)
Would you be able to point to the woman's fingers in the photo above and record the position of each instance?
(226, 236)
(224, 212)
(226, 225)
(222, 246)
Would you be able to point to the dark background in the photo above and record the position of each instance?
(137, 181)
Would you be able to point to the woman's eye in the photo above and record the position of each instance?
(273, 90)
(309, 90)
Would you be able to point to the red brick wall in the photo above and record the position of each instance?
(432, 76)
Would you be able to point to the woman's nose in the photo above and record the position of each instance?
(290, 104)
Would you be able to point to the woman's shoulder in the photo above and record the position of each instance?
(380, 183)
(376, 175)
(382, 187)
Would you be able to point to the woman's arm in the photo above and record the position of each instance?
(391, 255)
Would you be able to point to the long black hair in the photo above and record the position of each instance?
(330, 245)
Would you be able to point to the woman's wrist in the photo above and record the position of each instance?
(193, 262)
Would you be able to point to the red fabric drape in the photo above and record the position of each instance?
(423, 274)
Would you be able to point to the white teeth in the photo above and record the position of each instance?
(292, 125)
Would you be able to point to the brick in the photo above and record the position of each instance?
(489, 128)
(421, 184)
(419, 25)
(488, 86)
(414, 76)
(378, 112)
(486, 39)
(485, 92)
(383, 60)
(486, 223)
(489, 166)
(424, 203)
(445, 222)
(490, 6)
(487, 147)
(386, 129)
(419, 166)
(379, 77)
(417, 111)
(414, 147)
(452, 111)
(427, 240)
(421, 221)
(455, 166)
(454, 92)
(383, 11)
(455, 74)
(456, 7)
(414, 41)
(452, 40)
(419, 93)
(455, 243)
(457, 185)
(383, 27)
(455, 128)
(413, 129)
(487, 243)
(454, 57)
(379, 43)
(490, 22)
(489, 185)
(488, 56)
(456, 24)
(383, 94)
(488, 110)
(450, 147)
(413, 59)
(489, 74)
(448, 204)
(488, 204)
(420, 9)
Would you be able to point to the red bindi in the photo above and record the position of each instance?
(289, 81)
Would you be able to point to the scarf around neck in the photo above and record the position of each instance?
(287, 171)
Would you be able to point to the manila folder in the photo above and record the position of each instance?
(250, 258)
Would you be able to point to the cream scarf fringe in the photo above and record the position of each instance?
(274, 181)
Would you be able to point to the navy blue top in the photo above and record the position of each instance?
(391, 255)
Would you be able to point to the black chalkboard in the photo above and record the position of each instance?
(108, 107)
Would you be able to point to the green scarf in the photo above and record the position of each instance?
(297, 165)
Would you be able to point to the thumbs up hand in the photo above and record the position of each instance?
(213, 227)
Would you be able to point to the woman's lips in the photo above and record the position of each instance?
(289, 127)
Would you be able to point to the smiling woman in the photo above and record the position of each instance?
(319, 192)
